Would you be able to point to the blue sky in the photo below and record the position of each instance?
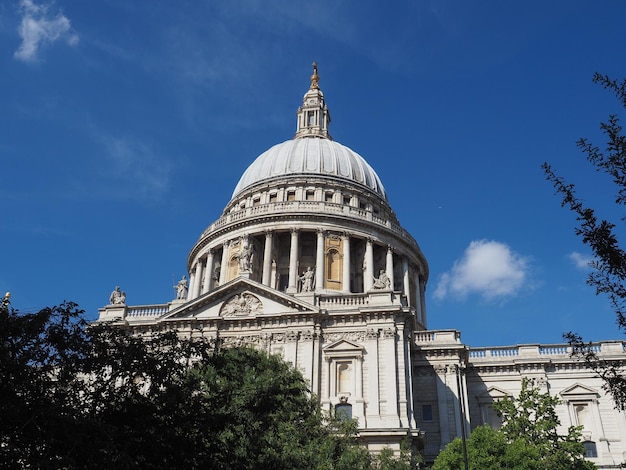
(125, 126)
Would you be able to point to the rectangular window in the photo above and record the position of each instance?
(343, 411)
(346, 200)
(273, 197)
(582, 414)
(344, 377)
(427, 412)
(310, 195)
(328, 197)
(291, 195)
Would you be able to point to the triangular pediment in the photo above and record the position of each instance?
(343, 348)
(579, 390)
(241, 298)
(493, 394)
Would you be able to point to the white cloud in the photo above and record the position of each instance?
(488, 268)
(580, 261)
(40, 27)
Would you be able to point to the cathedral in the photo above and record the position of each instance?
(309, 261)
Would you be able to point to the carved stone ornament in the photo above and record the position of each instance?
(371, 333)
(354, 336)
(241, 305)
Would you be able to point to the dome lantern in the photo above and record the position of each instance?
(313, 115)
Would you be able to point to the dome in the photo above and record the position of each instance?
(315, 156)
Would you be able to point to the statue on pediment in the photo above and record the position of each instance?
(117, 297)
(307, 278)
(181, 289)
(246, 257)
(383, 281)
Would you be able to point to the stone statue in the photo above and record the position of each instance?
(246, 257)
(117, 297)
(307, 279)
(383, 281)
(181, 289)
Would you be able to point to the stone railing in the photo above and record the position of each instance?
(132, 313)
(540, 351)
(433, 338)
(437, 337)
(313, 207)
(339, 301)
(147, 310)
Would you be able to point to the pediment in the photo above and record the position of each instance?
(241, 298)
(493, 394)
(343, 348)
(579, 390)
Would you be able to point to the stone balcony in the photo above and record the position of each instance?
(305, 208)
(327, 301)
(522, 352)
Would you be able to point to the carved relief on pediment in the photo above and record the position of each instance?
(241, 305)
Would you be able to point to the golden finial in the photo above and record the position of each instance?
(315, 78)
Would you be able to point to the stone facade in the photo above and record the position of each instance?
(309, 261)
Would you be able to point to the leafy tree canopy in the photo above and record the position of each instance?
(76, 395)
(609, 266)
(528, 439)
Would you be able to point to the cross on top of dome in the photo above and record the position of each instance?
(315, 77)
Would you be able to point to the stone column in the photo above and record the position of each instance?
(373, 386)
(389, 266)
(224, 266)
(368, 275)
(388, 374)
(422, 301)
(406, 285)
(293, 262)
(208, 273)
(346, 263)
(267, 258)
(442, 405)
(319, 261)
(192, 282)
(197, 279)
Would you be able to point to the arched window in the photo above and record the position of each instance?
(333, 270)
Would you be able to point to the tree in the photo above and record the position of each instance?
(528, 439)
(76, 395)
(609, 266)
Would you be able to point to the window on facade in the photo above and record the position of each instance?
(310, 195)
(291, 195)
(328, 197)
(273, 197)
(492, 418)
(344, 377)
(581, 410)
(346, 199)
(256, 202)
(311, 118)
(343, 411)
(427, 412)
(362, 205)
(591, 450)
(333, 266)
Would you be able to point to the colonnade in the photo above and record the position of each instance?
(204, 276)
